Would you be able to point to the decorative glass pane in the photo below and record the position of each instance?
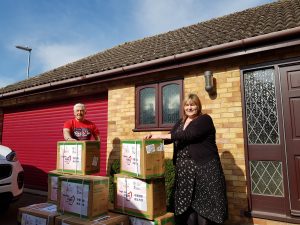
(261, 107)
(147, 106)
(266, 178)
(171, 103)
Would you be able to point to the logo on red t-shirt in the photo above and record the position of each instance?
(82, 133)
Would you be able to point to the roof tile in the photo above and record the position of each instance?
(265, 19)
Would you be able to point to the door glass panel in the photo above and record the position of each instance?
(171, 103)
(266, 178)
(147, 106)
(261, 107)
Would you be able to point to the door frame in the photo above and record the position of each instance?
(287, 94)
(282, 212)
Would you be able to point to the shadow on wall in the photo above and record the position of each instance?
(236, 191)
(113, 166)
(35, 178)
(114, 154)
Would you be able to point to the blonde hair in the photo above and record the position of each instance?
(196, 100)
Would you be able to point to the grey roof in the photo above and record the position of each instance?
(265, 19)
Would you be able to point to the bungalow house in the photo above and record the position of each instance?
(137, 87)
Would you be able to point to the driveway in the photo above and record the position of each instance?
(10, 217)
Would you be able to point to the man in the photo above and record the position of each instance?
(79, 128)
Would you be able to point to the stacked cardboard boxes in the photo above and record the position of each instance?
(109, 219)
(140, 186)
(78, 157)
(42, 214)
(141, 198)
(83, 196)
(143, 159)
(53, 185)
(78, 193)
(72, 192)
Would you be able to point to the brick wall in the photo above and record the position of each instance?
(121, 121)
(226, 111)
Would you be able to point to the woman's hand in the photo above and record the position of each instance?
(153, 136)
(158, 136)
(148, 136)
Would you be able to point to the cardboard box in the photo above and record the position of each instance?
(78, 157)
(143, 158)
(167, 219)
(42, 214)
(83, 196)
(140, 198)
(53, 185)
(109, 219)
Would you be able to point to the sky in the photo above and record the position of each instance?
(64, 31)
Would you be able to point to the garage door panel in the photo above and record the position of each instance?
(33, 133)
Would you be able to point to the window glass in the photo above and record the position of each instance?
(147, 106)
(266, 178)
(170, 103)
(158, 105)
(261, 107)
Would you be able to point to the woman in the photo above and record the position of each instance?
(200, 189)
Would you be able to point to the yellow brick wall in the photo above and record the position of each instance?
(121, 121)
(226, 111)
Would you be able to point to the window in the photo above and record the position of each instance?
(158, 105)
(264, 141)
(261, 106)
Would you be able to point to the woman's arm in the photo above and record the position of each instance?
(158, 136)
(166, 137)
(198, 128)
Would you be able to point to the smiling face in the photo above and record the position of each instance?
(191, 109)
(79, 112)
(192, 106)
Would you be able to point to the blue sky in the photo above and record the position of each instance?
(63, 31)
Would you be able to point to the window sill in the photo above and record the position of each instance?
(150, 129)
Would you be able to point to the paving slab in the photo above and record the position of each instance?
(9, 217)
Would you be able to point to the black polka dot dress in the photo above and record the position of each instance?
(201, 187)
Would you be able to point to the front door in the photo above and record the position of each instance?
(290, 86)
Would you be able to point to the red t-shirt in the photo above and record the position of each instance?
(81, 130)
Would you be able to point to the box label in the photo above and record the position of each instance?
(70, 157)
(137, 221)
(74, 197)
(95, 161)
(150, 148)
(54, 188)
(132, 193)
(131, 157)
(51, 209)
(32, 220)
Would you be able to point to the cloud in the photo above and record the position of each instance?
(156, 16)
(50, 56)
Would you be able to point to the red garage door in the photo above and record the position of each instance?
(33, 133)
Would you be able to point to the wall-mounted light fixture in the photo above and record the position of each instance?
(209, 82)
